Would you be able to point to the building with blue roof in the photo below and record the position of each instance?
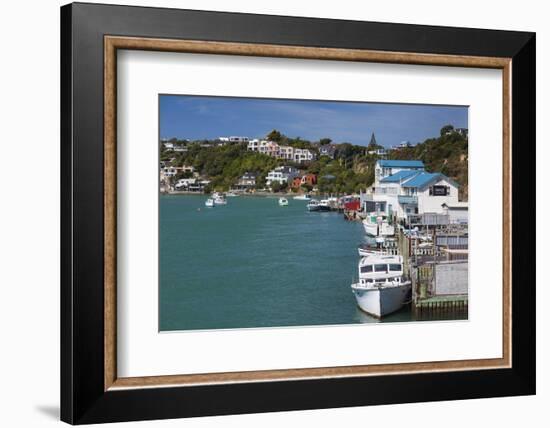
(386, 167)
(404, 188)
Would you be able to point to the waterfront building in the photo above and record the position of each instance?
(281, 174)
(253, 145)
(403, 188)
(191, 185)
(385, 168)
(307, 179)
(246, 181)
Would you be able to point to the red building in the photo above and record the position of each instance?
(309, 179)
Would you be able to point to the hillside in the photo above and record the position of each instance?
(447, 154)
(349, 171)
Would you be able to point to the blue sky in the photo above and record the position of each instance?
(197, 117)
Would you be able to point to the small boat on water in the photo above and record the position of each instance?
(231, 195)
(219, 199)
(303, 197)
(209, 203)
(381, 288)
(324, 205)
(283, 202)
(378, 225)
(313, 205)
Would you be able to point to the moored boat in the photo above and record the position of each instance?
(313, 205)
(303, 197)
(378, 225)
(381, 288)
(209, 203)
(283, 202)
(231, 195)
(382, 246)
(324, 205)
(219, 199)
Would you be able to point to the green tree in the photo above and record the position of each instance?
(274, 135)
(275, 186)
(325, 141)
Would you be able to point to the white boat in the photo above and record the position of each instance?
(381, 288)
(231, 195)
(302, 198)
(324, 205)
(209, 202)
(219, 199)
(283, 202)
(378, 225)
(381, 247)
(313, 205)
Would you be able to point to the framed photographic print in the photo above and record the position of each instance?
(265, 213)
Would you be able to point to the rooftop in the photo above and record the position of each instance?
(401, 163)
(422, 179)
(399, 176)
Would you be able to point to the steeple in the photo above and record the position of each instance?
(373, 140)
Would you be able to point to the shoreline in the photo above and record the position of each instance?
(263, 194)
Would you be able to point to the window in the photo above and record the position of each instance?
(439, 191)
(366, 269)
(380, 268)
(395, 267)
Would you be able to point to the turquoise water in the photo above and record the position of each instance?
(253, 263)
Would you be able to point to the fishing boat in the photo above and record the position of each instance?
(378, 225)
(283, 202)
(313, 205)
(209, 203)
(303, 197)
(381, 246)
(382, 288)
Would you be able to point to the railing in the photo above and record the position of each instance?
(407, 199)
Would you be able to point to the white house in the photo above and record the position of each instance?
(191, 184)
(246, 181)
(302, 155)
(286, 152)
(281, 174)
(404, 188)
(253, 145)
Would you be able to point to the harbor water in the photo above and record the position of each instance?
(253, 263)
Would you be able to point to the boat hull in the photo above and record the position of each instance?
(381, 301)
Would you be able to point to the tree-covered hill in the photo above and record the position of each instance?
(351, 169)
(447, 154)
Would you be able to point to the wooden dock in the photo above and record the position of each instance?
(439, 287)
